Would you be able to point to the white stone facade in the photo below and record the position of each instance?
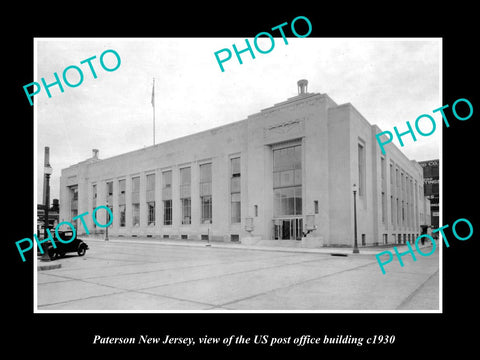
(334, 147)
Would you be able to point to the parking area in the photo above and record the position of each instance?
(127, 275)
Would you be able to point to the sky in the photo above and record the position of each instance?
(389, 81)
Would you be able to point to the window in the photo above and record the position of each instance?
(135, 190)
(150, 195)
(94, 201)
(109, 191)
(167, 185)
(206, 209)
(151, 212)
(150, 182)
(121, 201)
(167, 197)
(185, 199)
(167, 212)
(287, 181)
(94, 195)
(167, 179)
(109, 188)
(392, 208)
(206, 193)
(288, 201)
(287, 167)
(236, 205)
(384, 207)
(235, 164)
(235, 198)
(407, 214)
(121, 191)
(391, 173)
(398, 213)
(206, 176)
(136, 201)
(73, 202)
(315, 206)
(185, 179)
(410, 216)
(186, 210)
(382, 165)
(136, 214)
(361, 169)
(121, 209)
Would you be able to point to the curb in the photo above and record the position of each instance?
(49, 267)
(220, 245)
(333, 251)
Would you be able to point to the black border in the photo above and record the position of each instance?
(416, 334)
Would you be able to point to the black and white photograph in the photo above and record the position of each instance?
(238, 189)
(230, 181)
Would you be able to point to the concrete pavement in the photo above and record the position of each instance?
(158, 275)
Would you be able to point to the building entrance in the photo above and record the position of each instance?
(288, 229)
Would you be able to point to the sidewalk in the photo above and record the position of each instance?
(341, 251)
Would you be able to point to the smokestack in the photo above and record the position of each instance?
(46, 161)
(302, 86)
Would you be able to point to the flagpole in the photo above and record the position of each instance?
(153, 104)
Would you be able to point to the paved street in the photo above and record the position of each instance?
(129, 275)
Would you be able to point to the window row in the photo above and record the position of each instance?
(205, 192)
(402, 213)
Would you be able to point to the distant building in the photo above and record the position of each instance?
(284, 173)
(53, 214)
(431, 188)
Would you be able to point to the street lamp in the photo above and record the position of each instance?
(355, 244)
(47, 170)
(208, 235)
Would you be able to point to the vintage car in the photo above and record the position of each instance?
(76, 245)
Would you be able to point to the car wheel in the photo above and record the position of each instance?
(81, 250)
(52, 253)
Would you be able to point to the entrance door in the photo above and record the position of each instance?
(288, 229)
